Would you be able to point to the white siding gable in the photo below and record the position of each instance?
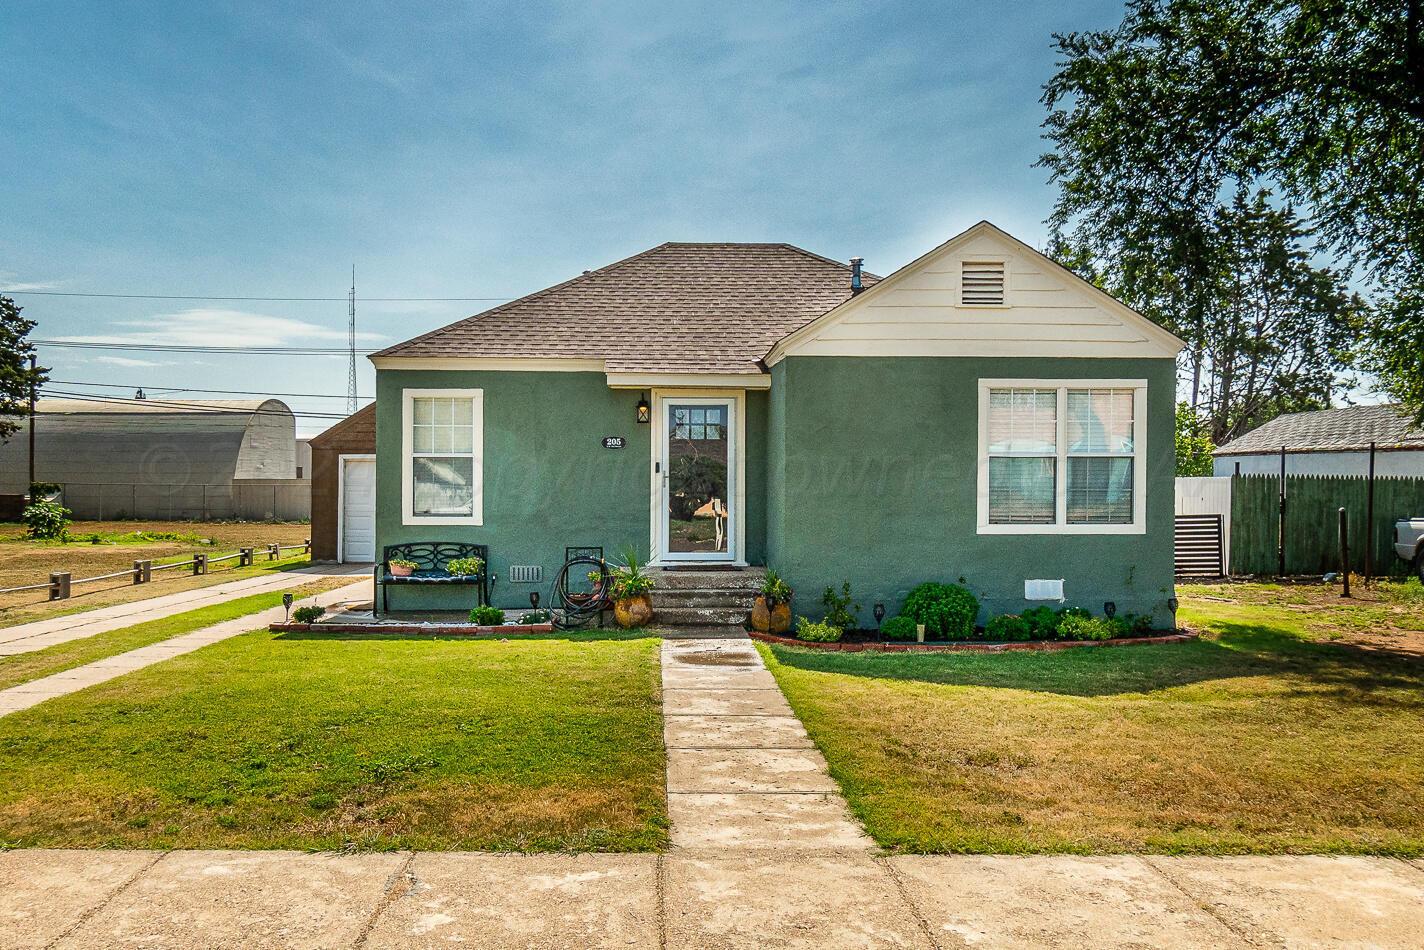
(920, 311)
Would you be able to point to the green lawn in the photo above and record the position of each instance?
(304, 741)
(1263, 736)
(23, 667)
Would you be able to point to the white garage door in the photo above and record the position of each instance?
(358, 509)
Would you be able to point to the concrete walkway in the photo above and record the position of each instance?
(28, 637)
(36, 691)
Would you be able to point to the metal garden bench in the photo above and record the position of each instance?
(431, 558)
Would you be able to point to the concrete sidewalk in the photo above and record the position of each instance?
(93, 899)
(36, 691)
(28, 637)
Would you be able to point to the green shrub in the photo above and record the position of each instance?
(1063, 614)
(529, 618)
(309, 614)
(840, 611)
(486, 616)
(946, 610)
(46, 520)
(817, 632)
(1042, 622)
(1137, 625)
(775, 589)
(1081, 626)
(898, 627)
(465, 566)
(1008, 627)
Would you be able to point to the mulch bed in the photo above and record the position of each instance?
(967, 646)
(434, 629)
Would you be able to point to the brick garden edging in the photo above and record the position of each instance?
(435, 629)
(965, 646)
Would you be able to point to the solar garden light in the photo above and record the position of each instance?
(1110, 608)
(287, 604)
(879, 611)
(534, 599)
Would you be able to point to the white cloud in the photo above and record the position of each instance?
(217, 327)
(9, 282)
(128, 361)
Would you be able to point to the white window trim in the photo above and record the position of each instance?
(960, 260)
(408, 517)
(1138, 525)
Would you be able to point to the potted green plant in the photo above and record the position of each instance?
(771, 612)
(631, 588)
(400, 567)
(465, 567)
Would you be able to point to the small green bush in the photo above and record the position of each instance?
(817, 632)
(532, 617)
(1138, 625)
(1008, 627)
(308, 614)
(1063, 614)
(946, 610)
(840, 611)
(775, 589)
(1042, 622)
(1076, 626)
(46, 521)
(898, 628)
(486, 616)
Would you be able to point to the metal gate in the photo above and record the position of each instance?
(1199, 549)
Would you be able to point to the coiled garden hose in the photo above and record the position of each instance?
(578, 608)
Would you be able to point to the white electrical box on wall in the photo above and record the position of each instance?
(1043, 590)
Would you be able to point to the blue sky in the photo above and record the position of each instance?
(478, 150)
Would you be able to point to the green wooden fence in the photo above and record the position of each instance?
(1312, 522)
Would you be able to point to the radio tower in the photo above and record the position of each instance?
(351, 341)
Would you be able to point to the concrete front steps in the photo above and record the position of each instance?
(705, 598)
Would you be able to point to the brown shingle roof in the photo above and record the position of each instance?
(693, 308)
(1331, 430)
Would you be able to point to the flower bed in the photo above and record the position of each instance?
(436, 629)
(968, 646)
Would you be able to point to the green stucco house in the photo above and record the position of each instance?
(980, 414)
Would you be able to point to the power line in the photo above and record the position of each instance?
(65, 293)
(194, 407)
(195, 348)
(190, 389)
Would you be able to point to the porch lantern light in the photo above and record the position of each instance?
(879, 611)
(645, 413)
(1110, 608)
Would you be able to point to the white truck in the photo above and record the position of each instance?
(1409, 543)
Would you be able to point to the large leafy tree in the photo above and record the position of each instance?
(1157, 123)
(15, 376)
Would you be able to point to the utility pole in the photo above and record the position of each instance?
(351, 341)
(30, 490)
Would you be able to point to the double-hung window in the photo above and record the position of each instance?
(443, 442)
(1062, 456)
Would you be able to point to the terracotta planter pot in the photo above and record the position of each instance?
(633, 611)
(400, 570)
(771, 619)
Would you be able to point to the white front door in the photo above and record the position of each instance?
(358, 509)
(697, 515)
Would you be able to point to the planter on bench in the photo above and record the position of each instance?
(431, 558)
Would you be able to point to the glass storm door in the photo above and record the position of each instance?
(698, 469)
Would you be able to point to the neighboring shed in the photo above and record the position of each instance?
(155, 458)
(1329, 442)
(343, 517)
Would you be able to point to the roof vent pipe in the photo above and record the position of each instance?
(855, 284)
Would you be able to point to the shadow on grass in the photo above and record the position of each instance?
(572, 636)
(1232, 650)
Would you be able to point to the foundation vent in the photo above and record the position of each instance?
(526, 574)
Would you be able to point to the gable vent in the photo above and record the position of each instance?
(981, 282)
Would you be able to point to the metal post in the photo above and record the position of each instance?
(1281, 533)
(1345, 551)
(1370, 520)
(59, 585)
(30, 489)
